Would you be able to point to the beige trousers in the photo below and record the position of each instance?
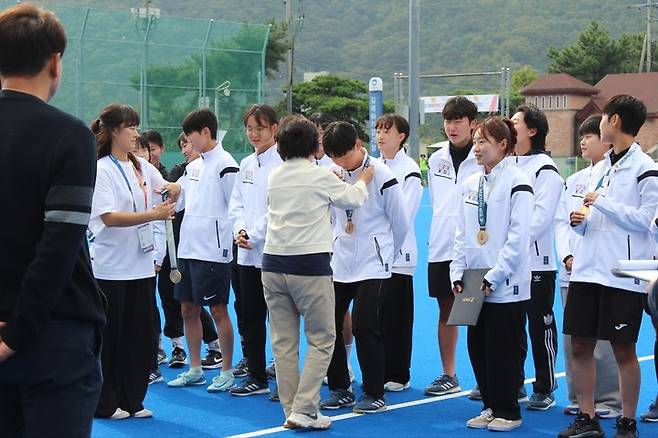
(312, 297)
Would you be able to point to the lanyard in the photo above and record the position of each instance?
(350, 213)
(482, 200)
(613, 169)
(125, 178)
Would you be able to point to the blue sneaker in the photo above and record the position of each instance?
(541, 402)
(223, 382)
(368, 404)
(187, 378)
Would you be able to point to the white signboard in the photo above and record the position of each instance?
(486, 103)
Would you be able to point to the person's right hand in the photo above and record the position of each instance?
(569, 264)
(367, 174)
(576, 218)
(457, 289)
(163, 211)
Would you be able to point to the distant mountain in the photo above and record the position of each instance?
(364, 38)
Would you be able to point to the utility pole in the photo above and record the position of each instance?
(414, 86)
(288, 5)
(645, 57)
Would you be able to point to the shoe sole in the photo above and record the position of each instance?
(214, 390)
(335, 408)
(293, 425)
(503, 429)
(477, 426)
(569, 411)
(177, 364)
(588, 434)
(256, 392)
(400, 389)
(368, 411)
(158, 380)
(540, 408)
(449, 391)
(162, 361)
(240, 374)
(212, 367)
(649, 420)
(188, 384)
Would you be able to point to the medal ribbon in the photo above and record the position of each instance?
(612, 170)
(350, 213)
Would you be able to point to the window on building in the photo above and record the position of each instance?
(557, 102)
(550, 102)
(564, 101)
(543, 102)
(536, 101)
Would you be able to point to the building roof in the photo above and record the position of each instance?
(560, 83)
(644, 86)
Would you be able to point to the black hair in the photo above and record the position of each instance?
(400, 123)
(142, 143)
(265, 115)
(534, 118)
(498, 129)
(30, 36)
(591, 125)
(458, 107)
(115, 116)
(631, 110)
(153, 136)
(321, 119)
(339, 138)
(179, 141)
(297, 137)
(199, 119)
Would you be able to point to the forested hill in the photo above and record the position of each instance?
(363, 38)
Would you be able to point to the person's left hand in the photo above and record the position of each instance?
(486, 289)
(590, 198)
(5, 351)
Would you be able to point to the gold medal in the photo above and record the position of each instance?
(584, 210)
(482, 236)
(175, 276)
(349, 227)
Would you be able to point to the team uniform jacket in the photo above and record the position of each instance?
(566, 240)
(407, 173)
(548, 186)
(325, 161)
(507, 250)
(617, 227)
(206, 232)
(248, 206)
(380, 228)
(445, 196)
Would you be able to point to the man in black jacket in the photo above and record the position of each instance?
(51, 309)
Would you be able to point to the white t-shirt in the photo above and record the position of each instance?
(117, 251)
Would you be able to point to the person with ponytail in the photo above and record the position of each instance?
(124, 207)
(493, 232)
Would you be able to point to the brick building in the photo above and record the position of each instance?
(568, 101)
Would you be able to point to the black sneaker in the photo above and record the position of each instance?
(541, 402)
(155, 377)
(212, 361)
(650, 416)
(250, 386)
(178, 358)
(369, 404)
(271, 370)
(241, 369)
(338, 398)
(583, 426)
(274, 394)
(626, 428)
(475, 394)
(162, 356)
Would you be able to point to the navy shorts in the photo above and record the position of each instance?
(438, 280)
(203, 283)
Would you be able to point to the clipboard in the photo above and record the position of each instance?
(468, 304)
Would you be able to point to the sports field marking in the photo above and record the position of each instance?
(394, 407)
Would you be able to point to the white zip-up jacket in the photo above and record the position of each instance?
(248, 206)
(206, 233)
(548, 186)
(507, 250)
(407, 173)
(566, 240)
(445, 196)
(380, 228)
(617, 227)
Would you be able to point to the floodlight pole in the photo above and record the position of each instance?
(414, 86)
(288, 5)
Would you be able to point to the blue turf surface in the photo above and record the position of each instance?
(192, 412)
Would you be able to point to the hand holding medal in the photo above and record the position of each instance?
(367, 174)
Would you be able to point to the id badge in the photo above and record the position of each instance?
(145, 233)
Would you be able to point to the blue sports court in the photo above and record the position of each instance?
(192, 412)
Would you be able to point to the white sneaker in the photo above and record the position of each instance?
(482, 420)
(144, 413)
(119, 414)
(305, 421)
(503, 425)
(396, 387)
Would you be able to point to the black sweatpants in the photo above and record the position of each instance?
(494, 350)
(543, 332)
(253, 311)
(128, 347)
(235, 285)
(397, 327)
(368, 296)
(51, 388)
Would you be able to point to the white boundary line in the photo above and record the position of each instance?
(408, 404)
